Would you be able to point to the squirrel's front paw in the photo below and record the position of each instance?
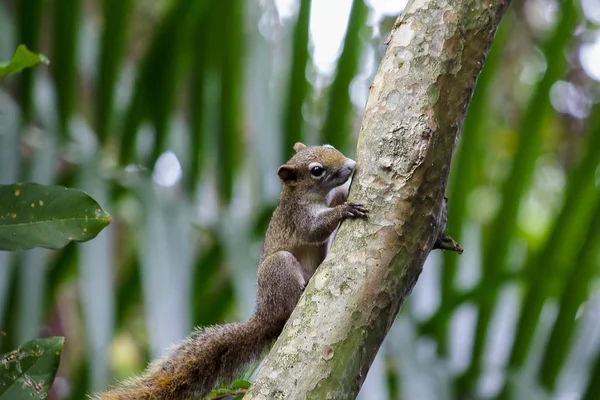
(355, 210)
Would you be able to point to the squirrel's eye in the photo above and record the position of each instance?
(317, 171)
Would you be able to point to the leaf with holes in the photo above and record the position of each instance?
(28, 372)
(22, 59)
(34, 215)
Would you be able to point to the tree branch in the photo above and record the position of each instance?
(415, 109)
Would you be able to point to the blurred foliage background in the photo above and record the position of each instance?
(175, 114)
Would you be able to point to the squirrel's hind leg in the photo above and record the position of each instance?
(280, 284)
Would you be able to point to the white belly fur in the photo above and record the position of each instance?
(310, 257)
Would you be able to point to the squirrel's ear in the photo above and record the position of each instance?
(299, 146)
(287, 173)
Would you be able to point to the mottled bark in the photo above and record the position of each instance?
(415, 109)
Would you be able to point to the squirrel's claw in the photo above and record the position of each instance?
(445, 242)
(355, 210)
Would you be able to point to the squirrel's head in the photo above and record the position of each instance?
(316, 169)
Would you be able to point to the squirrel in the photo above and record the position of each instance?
(312, 204)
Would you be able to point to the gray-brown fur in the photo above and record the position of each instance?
(205, 358)
(310, 209)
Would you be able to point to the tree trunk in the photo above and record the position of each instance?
(412, 118)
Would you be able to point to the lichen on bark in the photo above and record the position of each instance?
(412, 118)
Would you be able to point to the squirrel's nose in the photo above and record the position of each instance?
(350, 163)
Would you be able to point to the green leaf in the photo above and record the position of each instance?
(226, 394)
(34, 215)
(237, 391)
(22, 59)
(29, 371)
(220, 392)
(240, 384)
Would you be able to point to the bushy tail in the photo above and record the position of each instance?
(207, 357)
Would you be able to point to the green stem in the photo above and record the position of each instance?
(231, 117)
(293, 122)
(30, 16)
(64, 61)
(337, 127)
(117, 14)
(593, 388)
